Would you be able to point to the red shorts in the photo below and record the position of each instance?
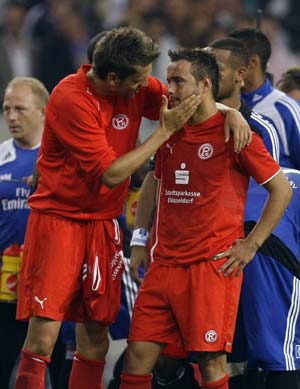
(71, 269)
(192, 308)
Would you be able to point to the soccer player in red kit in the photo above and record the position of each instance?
(73, 254)
(190, 294)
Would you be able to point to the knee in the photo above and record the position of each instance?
(93, 347)
(141, 357)
(41, 345)
(41, 336)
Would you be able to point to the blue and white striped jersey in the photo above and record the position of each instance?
(270, 298)
(15, 163)
(284, 113)
(265, 129)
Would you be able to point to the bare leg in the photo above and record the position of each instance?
(92, 340)
(141, 357)
(89, 359)
(212, 365)
(42, 335)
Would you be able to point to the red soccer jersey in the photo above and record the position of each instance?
(203, 191)
(84, 133)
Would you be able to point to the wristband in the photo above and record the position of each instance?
(140, 237)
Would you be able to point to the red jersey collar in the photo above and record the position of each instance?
(82, 71)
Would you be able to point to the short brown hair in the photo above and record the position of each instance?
(122, 50)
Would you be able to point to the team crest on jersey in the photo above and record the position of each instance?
(205, 151)
(297, 351)
(120, 122)
(211, 336)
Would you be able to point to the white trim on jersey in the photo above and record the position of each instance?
(157, 219)
(130, 286)
(270, 178)
(292, 319)
(117, 231)
(293, 108)
(289, 170)
(270, 129)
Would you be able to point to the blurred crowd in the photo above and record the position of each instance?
(48, 38)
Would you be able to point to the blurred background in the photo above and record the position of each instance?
(47, 39)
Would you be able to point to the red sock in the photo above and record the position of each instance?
(86, 373)
(220, 384)
(31, 372)
(136, 381)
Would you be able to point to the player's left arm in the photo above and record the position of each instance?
(243, 250)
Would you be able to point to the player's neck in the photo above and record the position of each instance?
(254, 82)
(233, 101)
(29, 142)
(99, 85)
(205, 110)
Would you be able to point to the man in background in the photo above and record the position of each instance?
(259, 94)
(289, 83)
(24, 105)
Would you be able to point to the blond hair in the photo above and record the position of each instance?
(37, 87)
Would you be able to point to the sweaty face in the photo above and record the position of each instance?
(21, 112)
(227, 81)
(131, 85)
(181, 83)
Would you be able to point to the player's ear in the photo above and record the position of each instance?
(113, 79)
(241, 73)
(206, 83)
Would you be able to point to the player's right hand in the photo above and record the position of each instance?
(139, 257)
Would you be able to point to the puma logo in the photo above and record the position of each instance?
(41, 302)
(170, 147)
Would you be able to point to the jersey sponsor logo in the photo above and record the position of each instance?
(211, 336)
(41, 302)
(293, 184)
(5, 177)
(297, 351)
(11, 205)
(117, 264)
(120, 122)
(182, 177)
(205, 151)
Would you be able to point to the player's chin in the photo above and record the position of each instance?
(130, 95)
(174, 103)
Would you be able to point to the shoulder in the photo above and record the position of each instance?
(72, 92)
(289, 103)
(7, 151)
(155, 86)
(7, 143)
